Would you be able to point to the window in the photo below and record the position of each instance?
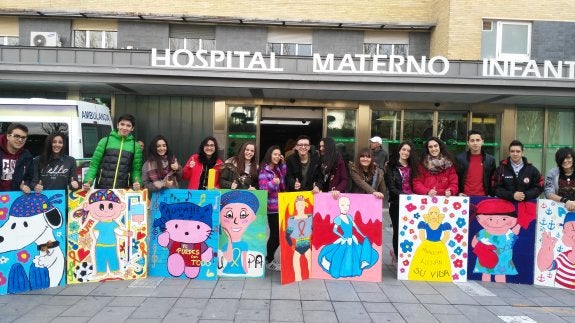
(95, 39)
(192, 37)
(513, 41)
(192, 44)
(9, 41)
(386, 43)
(290, 49)
(287, 41)
(386, 49)
(91, 135)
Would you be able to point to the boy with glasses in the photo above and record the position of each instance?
(16, 172)
(303, 172)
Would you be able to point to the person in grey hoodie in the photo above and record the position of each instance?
(560, 180)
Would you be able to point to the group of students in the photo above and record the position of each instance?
(117, 162)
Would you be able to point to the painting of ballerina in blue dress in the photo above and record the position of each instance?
(352, 251)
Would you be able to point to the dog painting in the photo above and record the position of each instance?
(32, 237)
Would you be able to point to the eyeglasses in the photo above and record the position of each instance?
(302, 145)
(18, 137)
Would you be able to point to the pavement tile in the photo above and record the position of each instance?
(286, 310)
(452, 318)
(506, 310)
(62, 300)
(175, 281)
(313, 289)
(80, 289)
(341, 291)
(491, 300)
(319, 317)
(442, 309)
(149, 320)
(256, 294)
(228, 289)
(386, 317)
(197, 293)
(431, 299)
(201, 284)
(350, 312)
(379, 307)
(290, 291)
(46, 311)
(121, 288)
(477, 313)
(168, 290)
(547, 318)
(182, 314)
(220, 309)
(399, 294)
(88, 306)
(154, 307)
(366, 287)
(420, 288)
(192, 303)
(373, 297)
(519, 301)
(316, 306)
(113, 314)
(68, 319)
(253, 304)
(414, 313)
(527, 290)
(261, 314)
(258, 283)
(127, 301)
(454, 295)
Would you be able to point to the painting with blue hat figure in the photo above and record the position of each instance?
(554, 244)
(107, 235)
(501, 240)
(243, 234)
(32, 240)
(184, 236)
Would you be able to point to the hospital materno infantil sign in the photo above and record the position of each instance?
(357, 64)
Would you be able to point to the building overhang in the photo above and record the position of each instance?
(133, 72)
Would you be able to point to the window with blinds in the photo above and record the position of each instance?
(192, 37)
(294, 42)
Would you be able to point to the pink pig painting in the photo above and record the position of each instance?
(185, 227)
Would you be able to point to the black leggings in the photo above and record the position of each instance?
(273, 240)
(394, 215)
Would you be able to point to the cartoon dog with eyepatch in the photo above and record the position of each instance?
(32, 219)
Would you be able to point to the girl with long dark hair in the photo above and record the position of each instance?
(560, 180)
(161, 169)
(366, 176)
(241, 171)
(54, 169)
(197, 168)
(401, 168)
(272, 179)
(334, 172)
(436, 173)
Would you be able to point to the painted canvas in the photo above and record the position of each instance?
(243, 235)
(502, 240)
(296, 218)
(347, 237)
(433, 238)
(107, 232)
(184, 237)
(554, 244)
(33, 235)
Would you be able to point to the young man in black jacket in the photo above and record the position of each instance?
(516, 179)
(303, 167)
(475, 167)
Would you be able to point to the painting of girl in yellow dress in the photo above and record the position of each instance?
(431, 259)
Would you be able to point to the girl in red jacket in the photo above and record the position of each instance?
(436, 174)
(197, 167)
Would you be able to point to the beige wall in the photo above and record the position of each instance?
(457, 34)
(406, 11)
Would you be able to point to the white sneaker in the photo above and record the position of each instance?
(274, 265)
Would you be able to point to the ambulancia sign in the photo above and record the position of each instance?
(356, 64)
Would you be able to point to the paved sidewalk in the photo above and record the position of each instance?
(265, 300)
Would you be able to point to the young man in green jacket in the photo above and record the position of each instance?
(117, 160)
